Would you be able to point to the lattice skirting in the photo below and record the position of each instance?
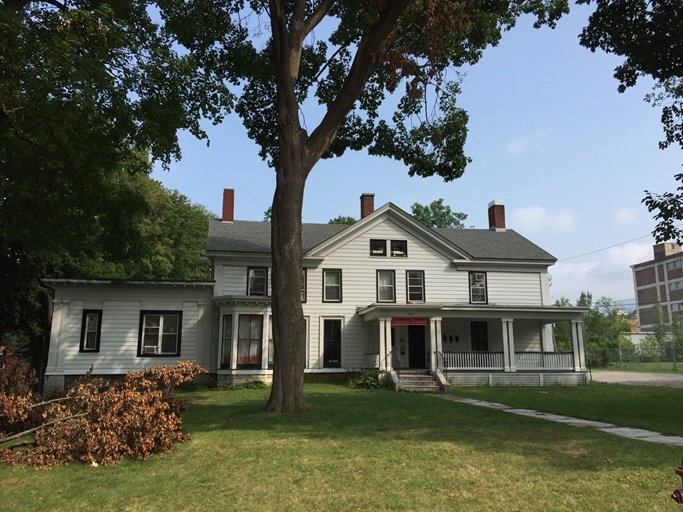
(516, 379)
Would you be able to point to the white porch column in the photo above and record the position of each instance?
(547, 338)
(509, 345)
(577, 345)
(434, 342)
(385, 344)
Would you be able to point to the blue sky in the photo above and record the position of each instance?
(548, 134)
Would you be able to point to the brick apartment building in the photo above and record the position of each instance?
(659, 280)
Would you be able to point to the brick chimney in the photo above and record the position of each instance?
(367, 204)
(497, 215)
(228, 205)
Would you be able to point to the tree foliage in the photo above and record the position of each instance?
(312, 77)
(438, 215)
(604, 324)
(649, 34)
(142, 230)
(342, 219)
(98, 422)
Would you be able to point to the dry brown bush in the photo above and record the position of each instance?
(102, 422)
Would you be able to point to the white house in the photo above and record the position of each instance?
(461, 306)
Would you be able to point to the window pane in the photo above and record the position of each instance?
(90, 340)
(477, 287)
(332, 343)
(332, 290)
(249, 341)
(152, 321)
(331, 277)
(378, 247)
(170, 324)
(168, 343)
(399, 248)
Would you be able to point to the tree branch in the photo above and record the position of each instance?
(317, 16)
(364, 63)
(39, 427)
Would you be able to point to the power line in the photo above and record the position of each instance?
(611, 246)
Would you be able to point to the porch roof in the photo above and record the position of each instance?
(546, 314)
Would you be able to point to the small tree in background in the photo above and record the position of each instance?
(342, 219)
(438, 215)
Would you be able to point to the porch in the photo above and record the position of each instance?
(478, 343)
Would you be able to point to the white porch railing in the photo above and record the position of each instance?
(495, 360)
(545, 360)
(473, 360)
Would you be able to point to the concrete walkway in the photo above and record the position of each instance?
(630, 433)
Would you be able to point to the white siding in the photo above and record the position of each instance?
(515, 288)
(120, 327)
(527, 335)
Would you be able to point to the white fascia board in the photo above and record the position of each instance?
(501, 265)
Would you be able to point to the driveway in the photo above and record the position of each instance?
(670, 380)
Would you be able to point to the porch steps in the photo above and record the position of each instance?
(419, 381)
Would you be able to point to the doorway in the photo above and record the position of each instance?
(416, 347)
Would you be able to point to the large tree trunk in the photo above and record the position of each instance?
(289, 330)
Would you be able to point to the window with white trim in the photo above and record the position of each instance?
(332, 285)
(257, 281)
(249, 341)
(160, 333)
(91, 329)
(478, 292)
(676, 307)
(386, 289)
(415, 283)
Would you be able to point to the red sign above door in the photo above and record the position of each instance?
(409, 321)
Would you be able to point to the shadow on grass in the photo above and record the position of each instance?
(400, 420)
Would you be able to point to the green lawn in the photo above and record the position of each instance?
(651, 408)
(364, 450)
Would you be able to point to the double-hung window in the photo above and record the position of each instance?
(332, 285)
(478, 292)
(91, 329)
(676, 285)
(415, 282)
(257, 281)
(249, 341)
(671, 265)
(160, 333)
(386, 289)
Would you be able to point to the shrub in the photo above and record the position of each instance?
(370, 378)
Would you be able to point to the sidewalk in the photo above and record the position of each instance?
(630, 433)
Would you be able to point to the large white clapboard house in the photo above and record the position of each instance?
(458, 306)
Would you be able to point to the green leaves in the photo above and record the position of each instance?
(438, 215)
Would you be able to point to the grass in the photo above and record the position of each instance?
(652, 408)
(363, 450)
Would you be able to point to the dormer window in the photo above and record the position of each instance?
(399, 248)
(378, 247)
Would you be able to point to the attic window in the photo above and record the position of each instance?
(378, 247)
(399, 248)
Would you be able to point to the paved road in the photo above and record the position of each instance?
(671, 380)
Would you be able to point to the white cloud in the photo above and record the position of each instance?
(573, 270)
(628, 254)
(521, 144)
(535, 218)
(624, 217)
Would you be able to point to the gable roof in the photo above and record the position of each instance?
(254, 236)
(475, 244)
